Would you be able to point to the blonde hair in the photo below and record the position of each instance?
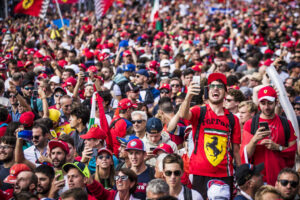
(111, 173)
(251, 107)
(264, 190)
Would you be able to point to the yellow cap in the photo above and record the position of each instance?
(54, 115)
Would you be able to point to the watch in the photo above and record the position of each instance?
(280, 148)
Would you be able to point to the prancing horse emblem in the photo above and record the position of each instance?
(213, 146)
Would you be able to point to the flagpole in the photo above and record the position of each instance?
(59, 13)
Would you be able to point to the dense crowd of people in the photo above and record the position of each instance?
(181, 105)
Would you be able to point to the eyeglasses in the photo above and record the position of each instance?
(175, 85)
(176, 173)
(164, 91)
(293, 184)
(58, 95)
(66, 106)
(218, 86)
(29, 88)
(106, 157)
(229, 100)
(297, 108)
(137, 121)
(6, 147)
(36, 137)
(123, 178)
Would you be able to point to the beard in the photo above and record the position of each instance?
(43, 190)
(60, 162)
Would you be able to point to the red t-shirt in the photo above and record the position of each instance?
(274, 160)
(213, 157)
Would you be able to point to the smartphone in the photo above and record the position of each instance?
(61, 175)
(196, 79)
(25, 135)
(265, 125)
(205, 92)
(95, 152)
(35, 93)
(152, 148)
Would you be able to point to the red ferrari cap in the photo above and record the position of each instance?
(94, 132)
(267, 93)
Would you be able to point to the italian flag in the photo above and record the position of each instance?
(154, 12)
(215, 131)
(93, 111)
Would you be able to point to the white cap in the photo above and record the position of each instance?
(165, 63)
(55, 79)
(217, 188)
(74, 67)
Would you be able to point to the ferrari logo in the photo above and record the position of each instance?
(265, 91)
(215, 148)
(64, 1)
(27, 4)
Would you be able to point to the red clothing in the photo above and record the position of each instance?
(3, 127)
(213, 157)
(98, 191)
(274, 160)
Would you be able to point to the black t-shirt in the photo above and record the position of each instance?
(143, 180)
(4, 172)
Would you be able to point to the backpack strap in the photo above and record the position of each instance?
(254, 123)
(231, 121)
(35, 107)
(112, 125)
(187, 193)
(286, 128)
(201, 119)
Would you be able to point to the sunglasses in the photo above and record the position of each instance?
(297, 109)
(218, 86)
(58, 95)
(176, 173)
(175, 85)
(106, 157)
(293, 184)
(29, 88)
(137, 121)
(164, 91)
(12, 96)
(123, 178)
(36, 137)
(66, 106)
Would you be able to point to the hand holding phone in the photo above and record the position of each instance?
(197, 79)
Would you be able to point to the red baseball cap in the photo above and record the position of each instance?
(165, 86)
(42, 76)
(217, 76)
(14, 171)
(197, 68)
(135, 144)
(69, 81)
(105, 150)
(59, 143)
(30, 51)
(126, 53)
(27, 118)
(92, 69)
(89, 55)
(125, 104)
(27, 63)
(267, 93)
(62, 63)
(164, 147)
(94, 132)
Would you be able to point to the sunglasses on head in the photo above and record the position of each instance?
(106, 157)
(293, 184)
(176, 173)
(137, 121)
(123, 178)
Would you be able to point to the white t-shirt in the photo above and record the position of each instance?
(196, 195)
(184, 9)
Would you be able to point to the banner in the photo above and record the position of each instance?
(101, 7)
(36, 8)
(66, 1)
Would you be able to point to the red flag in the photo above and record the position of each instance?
(103, 122)
(66, 1)
(37, 8)
(101, 7)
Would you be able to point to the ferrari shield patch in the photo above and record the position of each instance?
(27, 3)
(215, 145)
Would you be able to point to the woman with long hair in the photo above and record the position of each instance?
(105, 168)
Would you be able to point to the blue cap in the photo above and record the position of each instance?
(129, 68)
(297, 100)
(126, 139)
(154, 125)
(143, 72)
(123, 43)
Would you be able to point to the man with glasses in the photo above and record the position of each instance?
(175, 87)
(287, 183)
(35, 103)
(173, 171)
(66, 107)
(139, 119)
(216, 133)
(269, 138)
(40, 135)
(7, 158)
(233, 99)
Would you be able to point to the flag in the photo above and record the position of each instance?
(103, 121)
(65, 1)
(101, 7)
(37, 8)
(154, 12)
